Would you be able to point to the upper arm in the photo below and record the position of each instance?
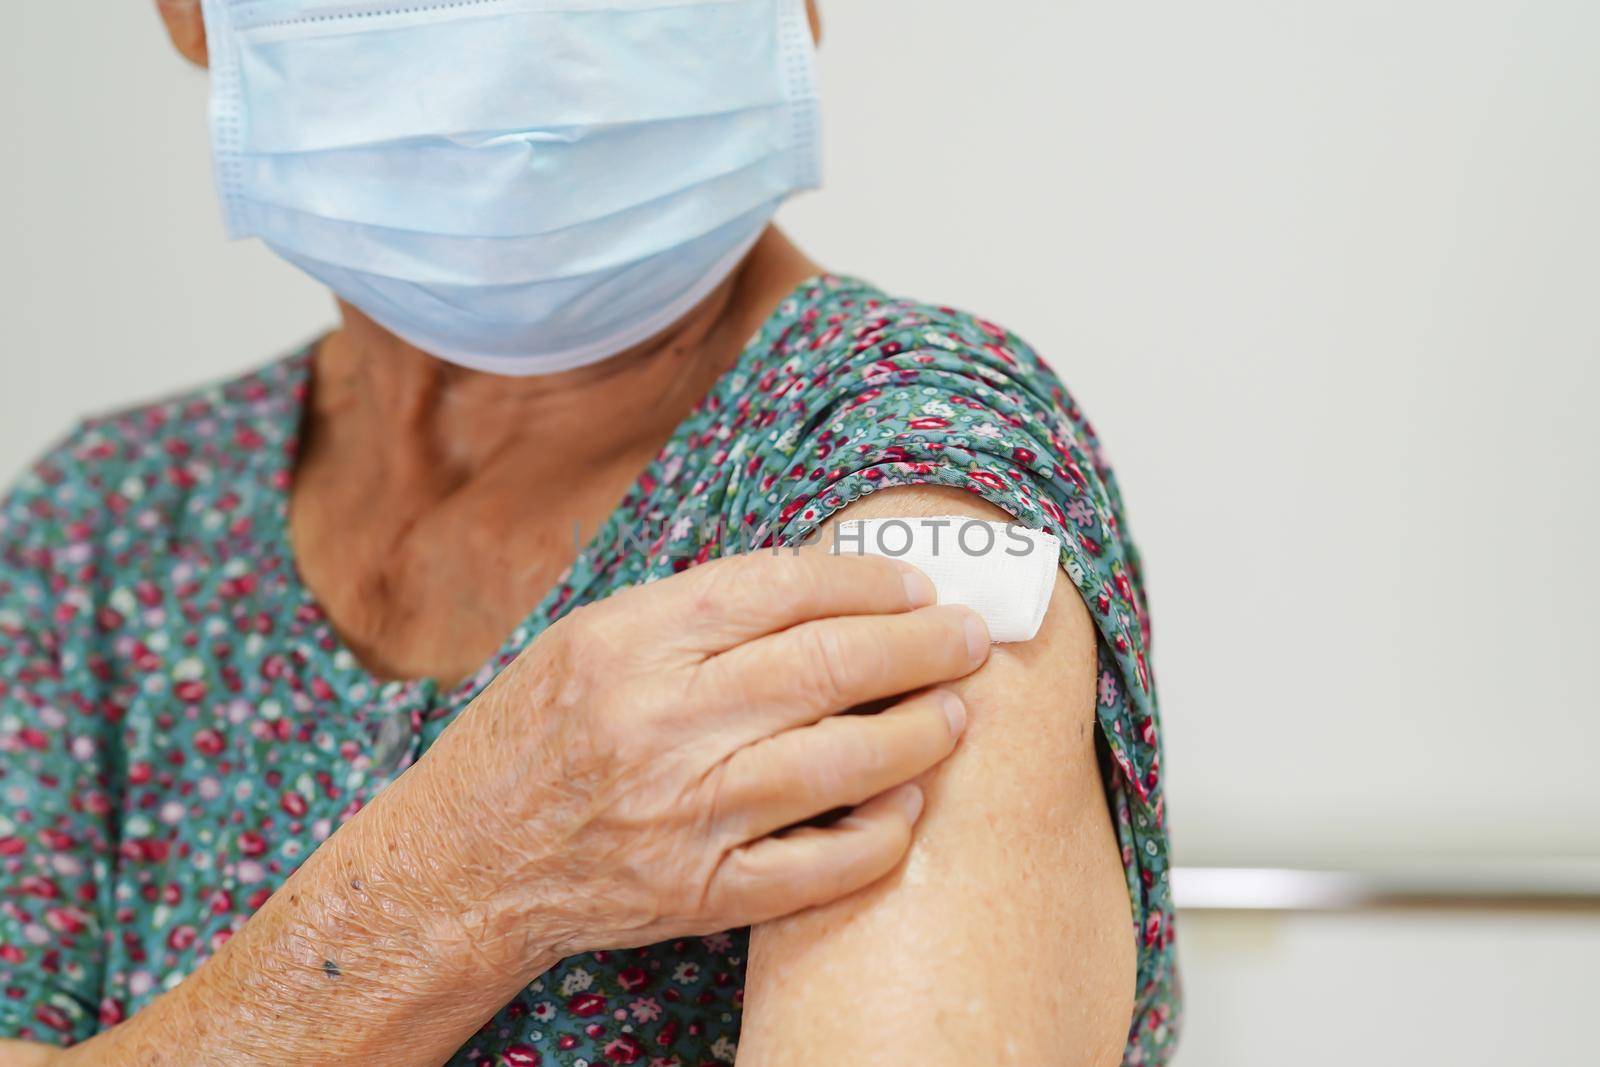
(1005, 935)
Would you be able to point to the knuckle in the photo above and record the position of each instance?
(814, 779)
(562, 641)
(581, 618)
(727, 586)
(552, 649)
(739, 875)
(775, 783)
(780, 577)
(802, 581)
(595, 644)
(721, 805)
(852, 760)
(709, 584)
(719, 682)
(547, 674)
(830, 664)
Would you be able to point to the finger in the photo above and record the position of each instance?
(819, 668)
(722, 604)
(838, 762)
(780, 875)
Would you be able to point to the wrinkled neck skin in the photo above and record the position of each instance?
(438, 417)
(432, 505)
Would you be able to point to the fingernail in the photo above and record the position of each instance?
(977, 637)
(954, 710)
(919, 588)
(911, 801)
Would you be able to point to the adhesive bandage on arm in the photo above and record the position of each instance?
(1003, 571)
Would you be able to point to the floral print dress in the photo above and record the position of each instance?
(180, 726)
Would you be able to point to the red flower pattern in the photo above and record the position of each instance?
(188, 727)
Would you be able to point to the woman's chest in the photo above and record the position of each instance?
(430, 585)
(240, 754)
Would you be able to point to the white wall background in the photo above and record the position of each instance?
(1327, 277)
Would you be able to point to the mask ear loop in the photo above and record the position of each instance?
(798, 54)
(226, 117)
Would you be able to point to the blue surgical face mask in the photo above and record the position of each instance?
(517, 186)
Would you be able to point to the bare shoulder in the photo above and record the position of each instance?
(1012, 903)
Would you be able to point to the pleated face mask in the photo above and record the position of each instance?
(517, 186)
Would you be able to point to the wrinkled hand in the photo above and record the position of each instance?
(637, 773)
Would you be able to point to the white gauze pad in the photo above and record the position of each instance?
(1002, 571)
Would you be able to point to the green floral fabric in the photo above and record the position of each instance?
(180, 726)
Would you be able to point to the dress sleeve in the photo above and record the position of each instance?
(55, 770)
(915, 396)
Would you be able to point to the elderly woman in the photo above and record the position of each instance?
(323, 738)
